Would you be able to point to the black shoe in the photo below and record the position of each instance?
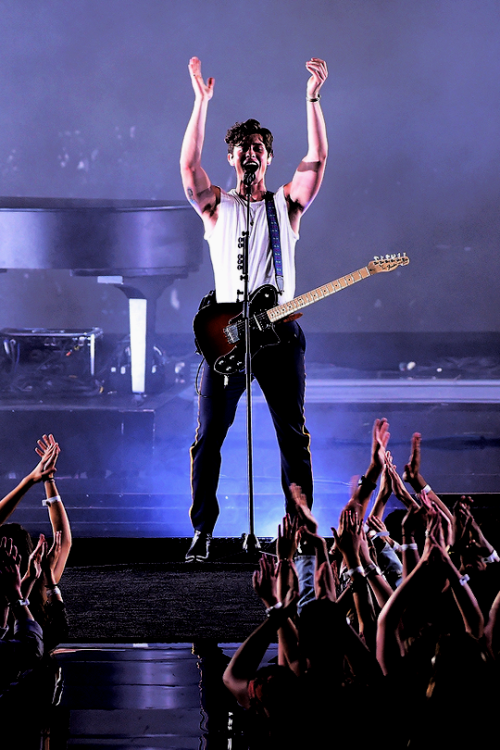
(200, 547)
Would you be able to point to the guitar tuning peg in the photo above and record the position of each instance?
(387, 256)
(376, 257)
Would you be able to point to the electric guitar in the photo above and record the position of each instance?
(219, 328)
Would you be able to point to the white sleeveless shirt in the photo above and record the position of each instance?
(224, 251)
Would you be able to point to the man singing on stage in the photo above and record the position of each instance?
(278, 369)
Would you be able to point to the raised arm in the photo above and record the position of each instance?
(368, 482)
(60, 525)
(413, 476)
(348, 540)
(199, 191)
(306, 182)
(42, 470)
(246, 661)
(384, 493)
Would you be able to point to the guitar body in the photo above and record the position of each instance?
(220, 330)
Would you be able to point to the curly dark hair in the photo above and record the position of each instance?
(241, 130)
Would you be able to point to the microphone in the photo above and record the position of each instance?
(250, 170)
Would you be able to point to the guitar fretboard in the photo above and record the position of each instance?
(303, 300)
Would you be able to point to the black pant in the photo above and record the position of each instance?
(280, 372)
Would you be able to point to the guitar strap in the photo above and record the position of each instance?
(274, 234)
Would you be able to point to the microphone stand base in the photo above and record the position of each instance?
(251, 545)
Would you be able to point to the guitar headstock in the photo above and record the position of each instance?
(382, 263)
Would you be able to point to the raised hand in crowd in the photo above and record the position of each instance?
(348, 539)
(48, 450)
(34, 567)
(368, 482)
(397, 483)
(23, 648)
(413, 476)
(243, 668)
(59, 520)
(286, 543)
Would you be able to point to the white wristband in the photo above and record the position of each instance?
(49, 500)
(404, 547)
(493, 557)
(275, 608)
(53, 590)
(426, 489)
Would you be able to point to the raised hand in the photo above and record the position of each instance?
(461, 524)
(398, 487)
(286, 543)
(482, 545)
(435, 533)
(380, 439)
(319, 73)
(348, 536)
(48, 450)
(202, 90)
(34, 569)
(385, 480)
(412, 468)
(10, 576)
(265, 581)
(415, 518)
(376, 523)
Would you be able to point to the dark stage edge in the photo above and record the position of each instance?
(142, 591)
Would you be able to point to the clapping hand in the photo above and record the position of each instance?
(380, 439)
(412, 468)
(35, 566)
(48, 450)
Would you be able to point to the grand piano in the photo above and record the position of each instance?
(139, 246)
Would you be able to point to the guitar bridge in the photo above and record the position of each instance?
(232, 334)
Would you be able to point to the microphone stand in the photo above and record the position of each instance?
(251, 544)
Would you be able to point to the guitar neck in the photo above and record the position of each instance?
(315, 295)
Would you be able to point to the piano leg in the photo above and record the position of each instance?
(142, 294)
